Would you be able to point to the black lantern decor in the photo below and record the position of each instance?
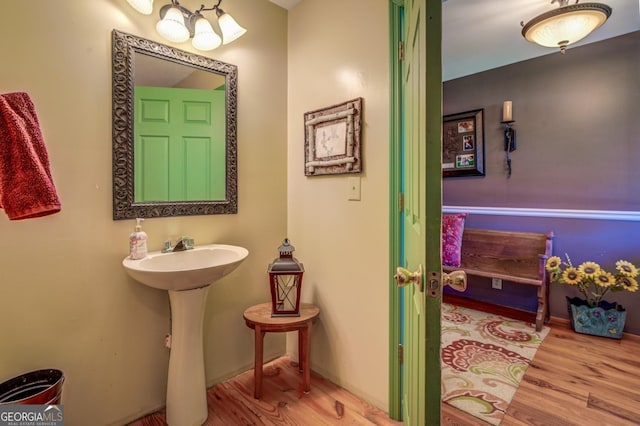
(285, 280)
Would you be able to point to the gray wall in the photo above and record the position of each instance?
(578, 148)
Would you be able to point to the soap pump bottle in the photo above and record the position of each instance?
(138, 242)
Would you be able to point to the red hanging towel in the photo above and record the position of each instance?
(26, 186)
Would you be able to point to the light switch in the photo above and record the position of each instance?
(354, 188)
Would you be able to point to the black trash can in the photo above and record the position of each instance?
(40, 387)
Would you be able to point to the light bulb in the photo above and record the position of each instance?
(172, 26)
(230, 28)
(143, 6)
(204, 37)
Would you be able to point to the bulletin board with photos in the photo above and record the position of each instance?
(463, 144)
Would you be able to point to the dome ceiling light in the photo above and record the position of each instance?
(566, 25)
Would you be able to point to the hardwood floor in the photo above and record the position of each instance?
(283, 403)
(574, 379)
(577, 379)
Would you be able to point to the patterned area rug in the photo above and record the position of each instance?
(484, 358)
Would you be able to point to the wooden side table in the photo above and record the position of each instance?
(258, 317)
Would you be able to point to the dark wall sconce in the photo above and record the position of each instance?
(509, 132)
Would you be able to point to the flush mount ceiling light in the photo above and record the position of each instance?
(565, 25)
(178, 24)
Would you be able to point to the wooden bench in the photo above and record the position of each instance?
(517, 257)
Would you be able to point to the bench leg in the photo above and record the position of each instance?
(543, 307)
(258, 360)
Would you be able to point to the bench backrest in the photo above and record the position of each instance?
(506, 252)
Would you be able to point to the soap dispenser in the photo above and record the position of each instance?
(138, 242)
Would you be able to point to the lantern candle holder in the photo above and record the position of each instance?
(285, 281)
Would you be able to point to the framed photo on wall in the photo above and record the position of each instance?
(332, 143)
(463, 144)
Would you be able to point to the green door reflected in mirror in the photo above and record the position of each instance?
(179, 144)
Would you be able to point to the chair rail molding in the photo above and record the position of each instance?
(629, 216)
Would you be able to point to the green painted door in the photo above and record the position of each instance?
(180, 144)
(422, 122)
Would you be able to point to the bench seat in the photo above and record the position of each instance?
(512, 256)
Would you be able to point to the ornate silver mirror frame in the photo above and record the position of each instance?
(124, 48)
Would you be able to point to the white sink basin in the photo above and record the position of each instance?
(186, 270)
(187, 275)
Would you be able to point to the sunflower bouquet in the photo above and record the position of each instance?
(591, 280)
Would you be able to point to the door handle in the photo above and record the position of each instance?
(403, 277)
(457, 280)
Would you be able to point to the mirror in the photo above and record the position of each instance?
(146, 182)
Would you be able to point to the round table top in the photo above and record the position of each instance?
(261, 314)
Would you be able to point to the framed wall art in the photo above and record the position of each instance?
(332, 139)
(463, 144)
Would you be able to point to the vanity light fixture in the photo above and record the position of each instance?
(178, 24)
(565, 25)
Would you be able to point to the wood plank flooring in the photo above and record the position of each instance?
(574, 379)
(283, 403)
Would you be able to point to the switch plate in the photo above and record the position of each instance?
(354, 188)
(496, 283)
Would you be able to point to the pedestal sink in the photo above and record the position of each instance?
(187, 276)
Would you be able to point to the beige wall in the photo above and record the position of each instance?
(338, 50)
(65, 301)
